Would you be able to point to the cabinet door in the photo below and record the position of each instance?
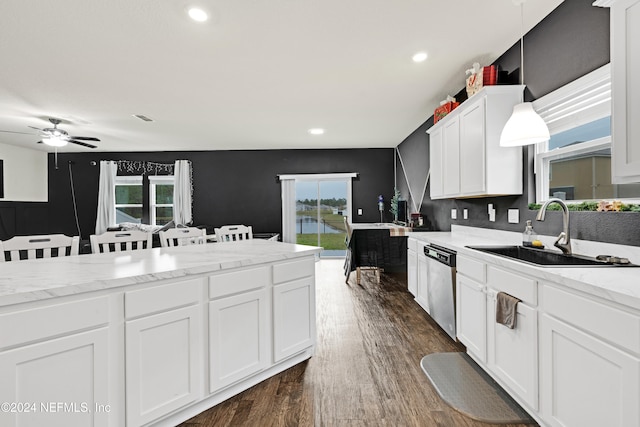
(423, 270)
(584, 381)
(451, 157)
(164, 362)
(294, 318)
(472, 149)
(71, 371)
(471, 316)
(512, 353)
(238, 337)
(625, 60)
(435, 163)
(412, 272)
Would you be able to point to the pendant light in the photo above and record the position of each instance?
(525, 126)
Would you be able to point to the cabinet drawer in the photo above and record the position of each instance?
(288, 271)
(608, 322)
(515, 285)
(471, 268)
(238, 281)
(162, 298)
(39, 323)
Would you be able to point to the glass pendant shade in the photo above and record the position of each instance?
(55, 142)
(524, 127)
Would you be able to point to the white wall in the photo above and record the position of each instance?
(25, 174)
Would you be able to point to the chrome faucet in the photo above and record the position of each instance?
(563, 242)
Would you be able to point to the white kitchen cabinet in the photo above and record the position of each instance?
(44, 347)
(589, 361)
(471, 316)
(294, 312)
(435, 164)
(422, 297)
(238, 337)
(164, 354)
(625, 62)
(464, 147)
(412, 266)
(451, 157)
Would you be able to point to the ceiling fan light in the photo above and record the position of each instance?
(524, 127)
(55, 142)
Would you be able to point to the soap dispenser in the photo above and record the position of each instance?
(528, 236)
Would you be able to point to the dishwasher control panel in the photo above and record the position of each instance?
(444, 255)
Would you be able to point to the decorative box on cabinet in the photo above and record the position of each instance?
(625, 60)
(466, 159)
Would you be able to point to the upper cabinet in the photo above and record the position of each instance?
(465, 156)
(625, 60)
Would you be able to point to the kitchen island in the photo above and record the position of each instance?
(150, 337)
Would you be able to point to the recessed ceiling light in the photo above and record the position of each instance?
(316, 131)
(419, 57)
(198, 15)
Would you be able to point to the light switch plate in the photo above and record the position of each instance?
(359, 211)
(465, 213)
(454, 214)
(492, 216)
(514, 216)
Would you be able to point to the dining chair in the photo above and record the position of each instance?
(233, 233)
(359, 253)
(119, 241)
(182, 236)
(38, 246)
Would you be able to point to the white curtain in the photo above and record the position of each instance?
(106, 215)
(182, 193)
(288, 210)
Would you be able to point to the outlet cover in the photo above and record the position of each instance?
(454, 214)
(514, 216)
(359, 211)
(465, 213)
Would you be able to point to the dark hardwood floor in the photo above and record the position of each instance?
(366, 370)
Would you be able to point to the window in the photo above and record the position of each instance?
(129, 197)
(144, 200)
(160, 199)
(575, 164)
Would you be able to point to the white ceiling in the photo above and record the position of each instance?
(256, 75)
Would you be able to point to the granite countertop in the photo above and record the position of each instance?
(616, 284)
(31, 280)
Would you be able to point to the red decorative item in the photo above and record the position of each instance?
(443, 110)
(490, 75)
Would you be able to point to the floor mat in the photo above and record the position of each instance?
(468, 389)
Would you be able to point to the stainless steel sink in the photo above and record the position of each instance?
(546, 258)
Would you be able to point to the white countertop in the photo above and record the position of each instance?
(617, 284)
(31, 280)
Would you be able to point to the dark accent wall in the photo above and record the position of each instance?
(229, 187)
(569, 43)
(22, 218)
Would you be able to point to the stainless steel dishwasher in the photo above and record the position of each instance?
(441, 279)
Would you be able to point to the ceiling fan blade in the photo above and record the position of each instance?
(33, 127)
(84, 144)
(85, 138)
(23, 133)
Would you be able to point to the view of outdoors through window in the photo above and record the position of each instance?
(320, 210)
(129, 199)
(161, 195)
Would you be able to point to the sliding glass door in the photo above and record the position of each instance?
(321, 206)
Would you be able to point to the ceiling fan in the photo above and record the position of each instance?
(59, 138)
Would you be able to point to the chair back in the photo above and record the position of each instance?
(118, 241)
(234, 233)
(40, 246)
(349, 230)
(182, 236)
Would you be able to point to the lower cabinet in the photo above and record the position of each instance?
(412, 267)
(471, 315)
(422, 295)
(513, 353)
(238, 337)
(586, 381)
(56, 365)
(294, 326)
(164, 363)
